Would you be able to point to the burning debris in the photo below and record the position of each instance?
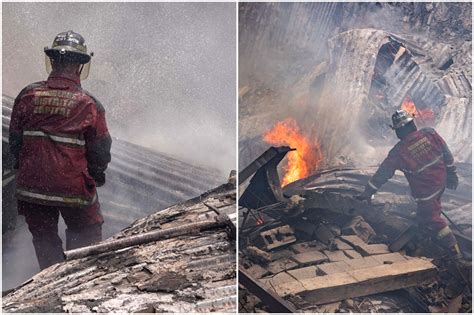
(190, 267)
(324, 251)
(307, 157)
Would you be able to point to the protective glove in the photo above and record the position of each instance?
(99, 179)
(452, 180)
(367, 194)
(98, 175)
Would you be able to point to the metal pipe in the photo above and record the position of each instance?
(144, 238)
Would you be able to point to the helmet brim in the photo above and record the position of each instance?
(69, 52)
(403, 123)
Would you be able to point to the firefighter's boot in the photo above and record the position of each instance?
(456, 280)
(48, 251)
(85, 236)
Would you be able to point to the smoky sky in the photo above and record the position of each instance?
(165, 72)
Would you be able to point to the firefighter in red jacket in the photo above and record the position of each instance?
(425, 159)
(59, 138)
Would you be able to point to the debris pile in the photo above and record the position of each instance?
(314, 248)
(316, 262)
(189, 272)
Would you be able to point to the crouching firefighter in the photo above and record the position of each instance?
(61, 145)
(425, 159)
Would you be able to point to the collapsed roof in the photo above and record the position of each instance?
(311, 247)
(192, 271)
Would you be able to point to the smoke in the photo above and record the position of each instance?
(165, 72)
(287, 69)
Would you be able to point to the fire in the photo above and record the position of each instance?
(307, 157)
(424, 115)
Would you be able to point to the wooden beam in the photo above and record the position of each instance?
(275, 303)
(361, 282)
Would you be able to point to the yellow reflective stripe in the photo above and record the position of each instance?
(429, 197)
(68, 200)
(372, 185)
(53, 137)
(444, 232)
(429, 164)
(450, 165)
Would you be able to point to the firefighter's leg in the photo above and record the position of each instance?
(444, 237)
(84, 226)
(43, 224)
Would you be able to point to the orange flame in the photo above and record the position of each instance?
(424, 115)
(307, 157)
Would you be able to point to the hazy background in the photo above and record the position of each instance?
(165, 72)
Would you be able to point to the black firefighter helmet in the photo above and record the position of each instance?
(403, 123)
(69, 46)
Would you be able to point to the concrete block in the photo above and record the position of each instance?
(277, 237)
(358, 226)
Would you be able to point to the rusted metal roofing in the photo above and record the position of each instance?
(195, 272)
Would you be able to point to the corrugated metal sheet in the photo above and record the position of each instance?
(395, 193)
(139, 180)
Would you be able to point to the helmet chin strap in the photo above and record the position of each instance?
(79, 71)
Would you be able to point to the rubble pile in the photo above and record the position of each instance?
(312, 247)
(190, 272)
(320, 266)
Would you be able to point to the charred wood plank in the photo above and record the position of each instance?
(362, 282)
(275, 303)
(144, 238)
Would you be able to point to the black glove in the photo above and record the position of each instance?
(452, 180)
(367, 194)
(98, 176)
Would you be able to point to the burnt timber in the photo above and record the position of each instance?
(190, 272)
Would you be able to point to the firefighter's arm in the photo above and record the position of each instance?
(98, 144)
(452, 180)
(15, 138)
(385, 171)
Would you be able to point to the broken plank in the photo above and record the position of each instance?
(332, 268)
(389, 258)
(363, 248)
(256, 271)
(303, 273)
(312, 257)
(373, 249)
(280, 265)
(355, 283)
(274, 302)
(276, 280)
(336, 255)
(352, 254)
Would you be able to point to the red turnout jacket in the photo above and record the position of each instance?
(59, 138)
(423, 157)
